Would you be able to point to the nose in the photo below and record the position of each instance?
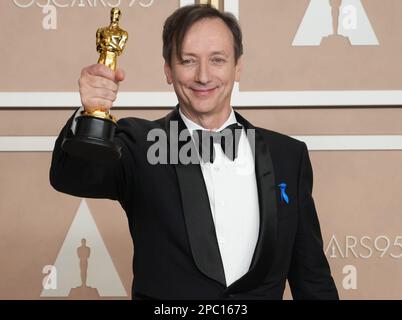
(202, 74)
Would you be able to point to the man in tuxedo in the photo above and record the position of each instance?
(205, 230)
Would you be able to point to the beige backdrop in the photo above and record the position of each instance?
(273, 64)
(357, 193)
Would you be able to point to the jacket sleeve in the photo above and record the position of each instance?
(83, 178)
(309, 275)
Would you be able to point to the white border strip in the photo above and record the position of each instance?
(233, 7)
(26, 143)
(240, 98)
(352, 142)
(317, 98)
(314, 143)
(186, 2)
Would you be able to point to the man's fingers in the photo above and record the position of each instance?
(98, 86)
(104, 94)
(100, 82)
(120, 75)
(100, 70)
(98, 93)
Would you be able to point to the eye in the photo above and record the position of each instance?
(187, 61)
(218, 60)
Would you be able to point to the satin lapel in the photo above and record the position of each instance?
(265, 248)
(197, 213)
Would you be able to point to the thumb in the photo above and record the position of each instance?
(120, 75)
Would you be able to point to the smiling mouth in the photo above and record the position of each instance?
(203, 92)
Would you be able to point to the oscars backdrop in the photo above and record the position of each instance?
(327, 72)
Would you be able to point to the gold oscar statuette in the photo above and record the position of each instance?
(94, 130)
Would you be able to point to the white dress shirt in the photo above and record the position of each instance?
(233, 197)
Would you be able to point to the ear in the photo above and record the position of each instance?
(239, 68)
(168, 73)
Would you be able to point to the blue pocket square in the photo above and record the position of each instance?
(284, 196)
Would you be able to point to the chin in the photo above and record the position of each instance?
(202, 106)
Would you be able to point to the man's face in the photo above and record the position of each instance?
(203, 79)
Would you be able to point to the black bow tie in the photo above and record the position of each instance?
(228, 138)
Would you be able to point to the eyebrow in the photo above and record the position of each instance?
(213, 53)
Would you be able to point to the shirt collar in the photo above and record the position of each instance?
(191, 125)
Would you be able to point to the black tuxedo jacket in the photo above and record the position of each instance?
(176, 254)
